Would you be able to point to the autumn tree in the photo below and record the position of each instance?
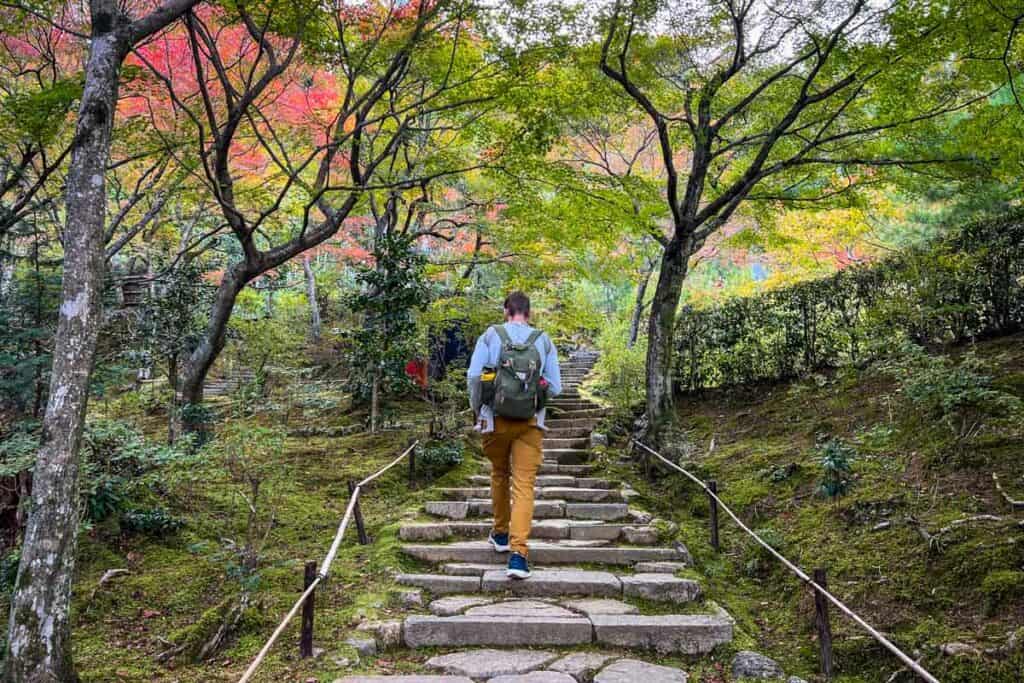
(771, 100)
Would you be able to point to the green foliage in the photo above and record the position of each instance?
(118, 464)
(387, 295)
(157, 522)
(620, 369)
(757, 560)
(39, 114)
(435, 458)
(28, 318)
(967, 285)
(18, 451)
(1002, 588)
(9, 571)
(960, 394)
(836, 459)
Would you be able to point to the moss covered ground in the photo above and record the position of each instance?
(911, 477)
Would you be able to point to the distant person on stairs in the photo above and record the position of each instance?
(513, 371)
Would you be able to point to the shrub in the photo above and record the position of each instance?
(438, 457)
(966, 285)
(836, 460)
(620, 370)
(152, 522)
(960, 395)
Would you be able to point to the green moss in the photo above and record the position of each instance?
(1002, 588)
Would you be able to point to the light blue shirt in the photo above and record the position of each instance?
(487, 353)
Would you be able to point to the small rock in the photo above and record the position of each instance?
(640, 535)
(412, 598)
(666, 529)
(959, 650)
(795, 679)
(747, 664)
(341, 662)
(882, 526)
(640, 517)
(388, 634)
(598, 439)
(366, 647)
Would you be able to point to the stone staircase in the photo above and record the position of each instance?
(601, 582)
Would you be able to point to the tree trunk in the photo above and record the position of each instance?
(375, 402)
(193, 373)
(39, 631)
(638, 309)
(314, 307)
(660, 337)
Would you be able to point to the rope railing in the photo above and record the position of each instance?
(819, 589)
(325, 566)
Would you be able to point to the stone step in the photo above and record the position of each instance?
(555, 443)
(566, 493)
(690, 634)
(591, 414)
(545, 529)
(555, 468)
(542, 552)
(553, 480)
(558, 583)
(542, 509)
(554, 422)
(431, 631)
(568, 433)
(566, 456)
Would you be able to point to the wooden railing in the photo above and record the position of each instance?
(314, 578)
(822, 597)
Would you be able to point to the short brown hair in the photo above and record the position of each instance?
(517, 303)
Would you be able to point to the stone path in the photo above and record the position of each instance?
(601, 581)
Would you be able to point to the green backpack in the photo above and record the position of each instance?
(517, 390)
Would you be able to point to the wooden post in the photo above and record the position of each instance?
(713, 489)
(822, 624)
(306, 637)
(412, 467)
(358, 514)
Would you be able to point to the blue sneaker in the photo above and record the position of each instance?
(518, 567)
(500, 542)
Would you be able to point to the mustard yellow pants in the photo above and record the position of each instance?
(515, 449)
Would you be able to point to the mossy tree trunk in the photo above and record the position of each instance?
(39, 629)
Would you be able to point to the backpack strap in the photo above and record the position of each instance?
(534, 336)
(502, 334)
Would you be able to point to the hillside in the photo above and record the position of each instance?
(921, 543)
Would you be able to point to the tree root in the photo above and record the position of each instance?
(206, 637)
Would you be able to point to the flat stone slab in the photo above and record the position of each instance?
(601, 606)
(490, 663)
(541, 552)
(580, 665)
(535, 677)
(603, 511)
(520, 608)
(660, 567)
(425, 532)
(747, 665)
(691, 634)
(469, 568)
(404, 679)
(441, 583)
(457, 604)
(579, 494)
(542, 509)
(554, 583)
(542, 480)
(450, 509)
(422, 631)
(661, 588)
(632, 670)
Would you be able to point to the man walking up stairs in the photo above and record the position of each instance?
(513, 371)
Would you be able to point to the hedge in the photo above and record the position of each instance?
(966, 285)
